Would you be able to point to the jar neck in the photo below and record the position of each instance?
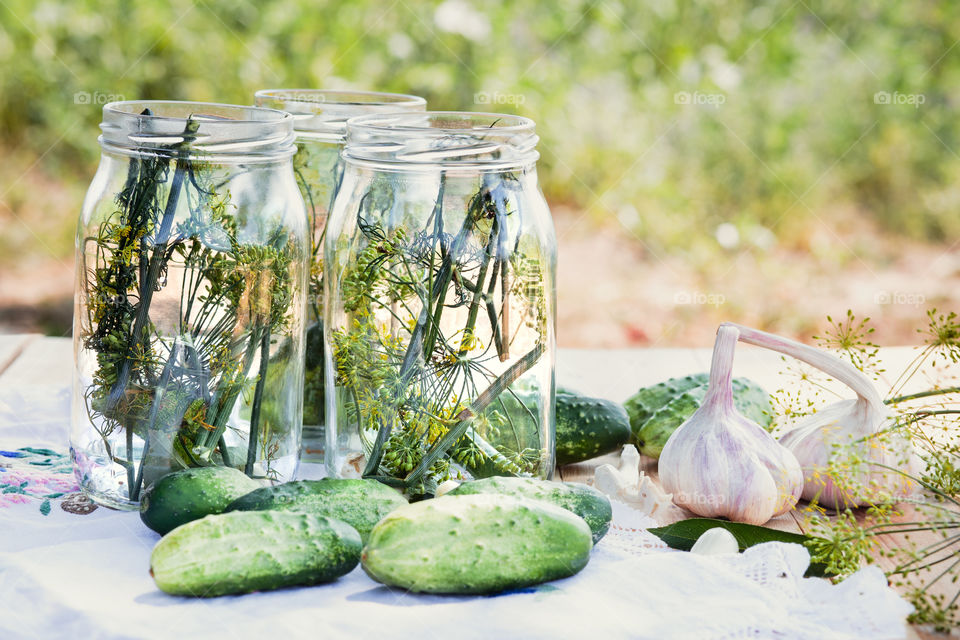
(322, 115)
(198, 130)
(447, 140)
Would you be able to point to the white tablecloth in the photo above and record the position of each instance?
(64, 575)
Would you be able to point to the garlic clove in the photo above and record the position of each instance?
(719, 463)
(715, 542)
(630, 464)
(653, 500)
(607, 479)
(629, 485)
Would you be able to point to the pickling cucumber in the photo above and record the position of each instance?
(253, 551)
(581, 499)
(656, 411)
(190, 494)
(359, 503)
(476, 544)
(588, 427)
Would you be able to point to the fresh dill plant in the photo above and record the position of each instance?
(917, 538)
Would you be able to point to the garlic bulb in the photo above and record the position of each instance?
(719, 463)
(844, 436)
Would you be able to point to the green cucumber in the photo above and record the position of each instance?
(588, 427)
(583, 500)
(190, 494)
(656, 411)
(476, 544)
(253, 551)
(359, 503)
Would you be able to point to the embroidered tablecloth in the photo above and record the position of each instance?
(71, 570)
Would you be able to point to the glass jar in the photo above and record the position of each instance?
(192, 265)
(441, 301)
(320, 118)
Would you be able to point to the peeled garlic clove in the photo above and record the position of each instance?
(607, 479)
(629, 485)
(651, 499)
(630, 464)
(719, 463)
(715, 542)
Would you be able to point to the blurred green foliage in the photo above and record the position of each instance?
(784, 120)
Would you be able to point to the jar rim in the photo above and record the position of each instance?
(444, 138)
(337, 97)
(322, 114)
(226, 131)
(187, 109)
(411, 122)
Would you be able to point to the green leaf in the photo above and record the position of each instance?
(681, 535)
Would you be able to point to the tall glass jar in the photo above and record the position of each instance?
(192, 265)
(320, 118)
(441, 262)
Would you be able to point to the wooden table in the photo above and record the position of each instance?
(613, 374)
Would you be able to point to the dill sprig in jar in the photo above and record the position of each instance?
(320, 123)
(192, 264)
(441, 262)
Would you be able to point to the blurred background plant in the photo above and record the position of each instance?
(708, 160)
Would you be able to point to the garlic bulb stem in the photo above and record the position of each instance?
(721, 367)
(826, 362)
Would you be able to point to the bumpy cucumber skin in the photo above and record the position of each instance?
(476, 544)
(656, 411)
(248, 551)
(581, 499)
(644, 403)
(588, 427)
(184, 496)
(360, 503)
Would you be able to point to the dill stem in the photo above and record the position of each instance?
(154, 411)
(505, 314)
(488, 255)
(492, 311)
(466, 417)
(130, 476)
(923, 483)
(922, 394)
(257, 401)
(217, 415)
(148, 282)
(926, 552)
(908, 527)
(943, 573)
(223, 451)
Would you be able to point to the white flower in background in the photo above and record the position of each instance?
(400, 45)
(458, 16)
(727, 236)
